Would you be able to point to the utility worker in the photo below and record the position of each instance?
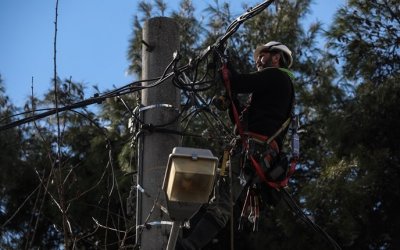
(265, 116)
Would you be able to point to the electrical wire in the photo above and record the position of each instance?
(298, 211)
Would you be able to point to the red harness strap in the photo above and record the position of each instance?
(274, 184)
(258, 169)
(244, 136)
(227, 82)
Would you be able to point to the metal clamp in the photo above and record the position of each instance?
(154, 106)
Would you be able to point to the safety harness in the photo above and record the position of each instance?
(263, 161)
(249, 138)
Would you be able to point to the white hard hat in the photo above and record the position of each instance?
(275, 46)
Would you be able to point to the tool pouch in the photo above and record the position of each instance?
(278, 167)
(274, 164)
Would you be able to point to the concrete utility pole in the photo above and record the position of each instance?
(161, 105)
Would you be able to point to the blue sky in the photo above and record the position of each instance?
(92, 41)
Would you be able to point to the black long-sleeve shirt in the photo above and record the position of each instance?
(271, 101)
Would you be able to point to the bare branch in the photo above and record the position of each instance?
(19, 208)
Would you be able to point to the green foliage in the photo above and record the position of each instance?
(135, 46)
(357, 185)
(366, 36)
(49, 199)
(368, 142)
(365, 136)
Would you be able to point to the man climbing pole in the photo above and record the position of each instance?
(256, 161)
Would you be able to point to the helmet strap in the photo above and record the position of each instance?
(283, 60)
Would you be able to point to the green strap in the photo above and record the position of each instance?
(290, 73)
(284, 126)
(287, 122)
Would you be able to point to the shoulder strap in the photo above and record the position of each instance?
(288, 72)
(287, 122)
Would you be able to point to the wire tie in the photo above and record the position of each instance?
(149, 225)
(140, 188)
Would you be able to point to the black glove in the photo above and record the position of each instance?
(221, 102)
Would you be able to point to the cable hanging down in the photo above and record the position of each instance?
(299, 212)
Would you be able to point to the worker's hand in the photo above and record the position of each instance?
(221, 102)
